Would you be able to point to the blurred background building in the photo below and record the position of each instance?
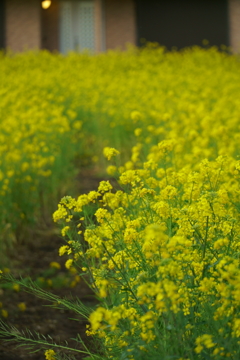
(99, 25)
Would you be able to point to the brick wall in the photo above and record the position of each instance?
(27, 26)
(2, 24)
(23, 24)
(234, 25)
(120, 23)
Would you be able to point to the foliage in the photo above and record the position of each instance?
(161, 252)
(163, 256)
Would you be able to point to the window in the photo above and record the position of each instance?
(182, 23)
(77, 25)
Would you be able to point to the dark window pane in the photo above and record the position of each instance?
(183, 23)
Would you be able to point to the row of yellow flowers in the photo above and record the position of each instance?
(54, 109)
(163, 255)
(162, 250)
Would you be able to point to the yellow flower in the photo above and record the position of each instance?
(68, 263)
(204, 341)
(22, 306)
(16, 287)
(50, 355)
(4, 313)
(111, 170)
(64, 249)
(65, 230)
(104, 186)
(110, 152)
(55, 265)
(138, 131)
(136, 115)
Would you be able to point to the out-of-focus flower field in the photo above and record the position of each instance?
(162, 250)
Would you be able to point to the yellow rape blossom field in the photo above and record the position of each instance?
(161, 248)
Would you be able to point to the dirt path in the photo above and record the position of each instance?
(34, 258)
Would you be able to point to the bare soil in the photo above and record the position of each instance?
(33, 258)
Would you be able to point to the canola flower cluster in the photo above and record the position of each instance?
(54, 117)
(36, 127)
(162, 250)
(163, 255)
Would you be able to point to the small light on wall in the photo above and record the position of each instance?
(46, 4)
